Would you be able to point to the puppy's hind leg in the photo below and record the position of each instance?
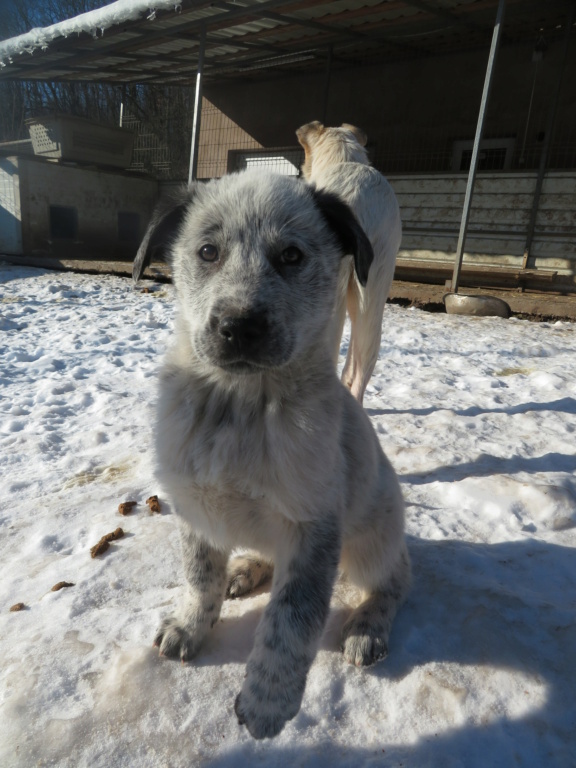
(245, 573)
(365, 634)
(181, 636)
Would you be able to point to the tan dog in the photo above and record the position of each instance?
(336, 161)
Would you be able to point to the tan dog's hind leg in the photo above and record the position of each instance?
(365, 307)
(345, 278)
(353, 299)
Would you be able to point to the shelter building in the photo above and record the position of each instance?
(409, 72)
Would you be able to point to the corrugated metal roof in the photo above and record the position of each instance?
(248, 38)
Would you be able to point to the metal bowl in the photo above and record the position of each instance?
(478, 306)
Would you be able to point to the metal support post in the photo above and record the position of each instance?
(327, 86)
(122, 102)
(476, 148)
(197, 116)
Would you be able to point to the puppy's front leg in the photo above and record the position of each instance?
(205, 571)
(288, 634)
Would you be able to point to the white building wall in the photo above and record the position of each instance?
(10, 213)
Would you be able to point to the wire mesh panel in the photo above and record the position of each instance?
(220, 136)
(151, 153)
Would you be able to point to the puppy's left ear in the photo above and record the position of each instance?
(345, 225)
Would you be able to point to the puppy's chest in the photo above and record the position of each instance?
(260, 449)
(242, 447)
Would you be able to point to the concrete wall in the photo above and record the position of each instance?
(96, 196)
(431, 208)
(10, 215)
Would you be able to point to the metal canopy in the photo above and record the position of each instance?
(251, 39)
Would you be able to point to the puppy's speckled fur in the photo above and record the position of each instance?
(258, 443)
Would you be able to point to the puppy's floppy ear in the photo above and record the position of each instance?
(163, 228)
(307, 133)
(345, 225)
(359, 134)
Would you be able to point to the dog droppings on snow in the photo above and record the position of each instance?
(126, 507)
(104, 543)
(154, 504)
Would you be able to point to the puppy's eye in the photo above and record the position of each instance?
(291, 255)
(208, 252)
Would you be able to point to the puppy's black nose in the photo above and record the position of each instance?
(245, 332)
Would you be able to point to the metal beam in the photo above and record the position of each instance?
(338, 32)
(328, 77)
(441, 13)
(476, 148)
(193, 167)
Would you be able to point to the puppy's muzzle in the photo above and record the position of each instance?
(243, 334)
(241, 338)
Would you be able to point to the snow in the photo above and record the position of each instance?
(92, 22)
(478, 417)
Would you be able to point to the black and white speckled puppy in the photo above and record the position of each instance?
(258, 443)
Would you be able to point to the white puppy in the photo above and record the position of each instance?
(336, 161)
(258, 443)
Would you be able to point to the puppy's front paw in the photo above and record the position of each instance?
(363, 643)
(176, 642)
(262, 721)
(266, 702)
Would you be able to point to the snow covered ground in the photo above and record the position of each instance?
(478, 417)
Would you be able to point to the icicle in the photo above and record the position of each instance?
(94, 33)
(152, 15)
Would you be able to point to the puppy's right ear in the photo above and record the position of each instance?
(163, 228)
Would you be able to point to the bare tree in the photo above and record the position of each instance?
(164, 111)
